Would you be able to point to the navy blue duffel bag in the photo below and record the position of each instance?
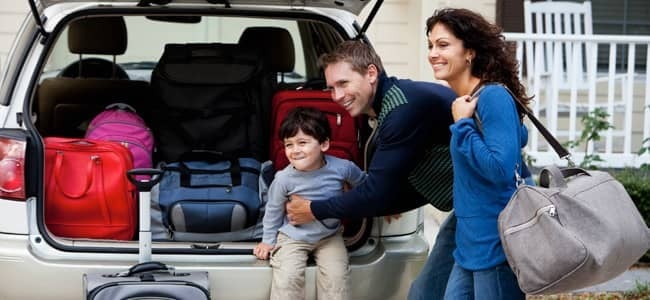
(207, 197)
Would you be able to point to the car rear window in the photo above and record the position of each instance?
(146, 39)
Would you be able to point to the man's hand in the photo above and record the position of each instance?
(299, 210)
(262, 250)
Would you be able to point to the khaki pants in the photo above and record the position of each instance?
(289, 260)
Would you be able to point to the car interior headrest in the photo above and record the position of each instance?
(275, 44)
(97, 35)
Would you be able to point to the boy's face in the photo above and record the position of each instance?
(304, 152)
(350, 89)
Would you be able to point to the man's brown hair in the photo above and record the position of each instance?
(358, 54)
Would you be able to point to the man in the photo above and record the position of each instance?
(407, 118)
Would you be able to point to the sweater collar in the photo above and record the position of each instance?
(383, 84)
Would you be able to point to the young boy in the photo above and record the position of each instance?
(305, 133)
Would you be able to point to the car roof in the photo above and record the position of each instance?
(352, 6)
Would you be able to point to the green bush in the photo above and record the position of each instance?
(637, 184)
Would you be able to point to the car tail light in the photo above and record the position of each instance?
(12, 169)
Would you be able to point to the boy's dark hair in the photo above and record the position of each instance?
(311, 121)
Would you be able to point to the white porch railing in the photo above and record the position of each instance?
(561, 71)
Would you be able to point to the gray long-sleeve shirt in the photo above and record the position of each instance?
(314, 185)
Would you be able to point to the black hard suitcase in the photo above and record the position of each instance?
(148, 279)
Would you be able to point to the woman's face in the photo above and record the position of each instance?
(447, 55)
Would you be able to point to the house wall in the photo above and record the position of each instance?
(12, 14)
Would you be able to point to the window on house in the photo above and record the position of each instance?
(622, 17)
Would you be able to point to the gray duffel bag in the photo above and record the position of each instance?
(577, 229)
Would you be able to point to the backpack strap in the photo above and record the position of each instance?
(120, 105)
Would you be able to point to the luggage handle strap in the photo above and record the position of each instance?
(153, 176)
(89, 168)
(146, 267)
(121, 106)
(211, 157)
(562, 152)
(553, 176)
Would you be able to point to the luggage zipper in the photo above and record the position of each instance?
(337, 116)
(126, 142)
(205, 171)
(95, 126)
(549, 209)
(372, 122)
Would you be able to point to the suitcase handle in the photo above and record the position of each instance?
(146, 267)
(211, 157)
(144, 184)
(206, 155)
(121, 106)
(553, 176)
(58, 164)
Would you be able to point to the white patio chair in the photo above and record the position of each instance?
(564, 18)
(562, 66)
(563, 74)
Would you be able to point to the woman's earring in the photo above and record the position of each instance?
(469, 61)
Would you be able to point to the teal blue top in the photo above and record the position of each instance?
(484, 175)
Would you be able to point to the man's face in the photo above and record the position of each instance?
(350, 89)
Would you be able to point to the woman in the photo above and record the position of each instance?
(487, 135)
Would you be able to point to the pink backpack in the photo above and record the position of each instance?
(120, 123)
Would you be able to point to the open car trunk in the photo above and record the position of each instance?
(206, 101)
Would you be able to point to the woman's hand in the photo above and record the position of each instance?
(463, 107)
(262, 250)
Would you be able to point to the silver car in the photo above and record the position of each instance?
(36, 264)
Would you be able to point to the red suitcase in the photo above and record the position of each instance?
(345, 128)
(87, 193)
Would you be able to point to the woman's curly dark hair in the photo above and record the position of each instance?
(493, 61)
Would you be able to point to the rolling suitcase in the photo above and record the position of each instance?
(345, 128)
(147, 279)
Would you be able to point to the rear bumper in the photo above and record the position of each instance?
(385, 273)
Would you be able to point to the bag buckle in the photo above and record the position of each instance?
(518, 179)
(570, 162)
